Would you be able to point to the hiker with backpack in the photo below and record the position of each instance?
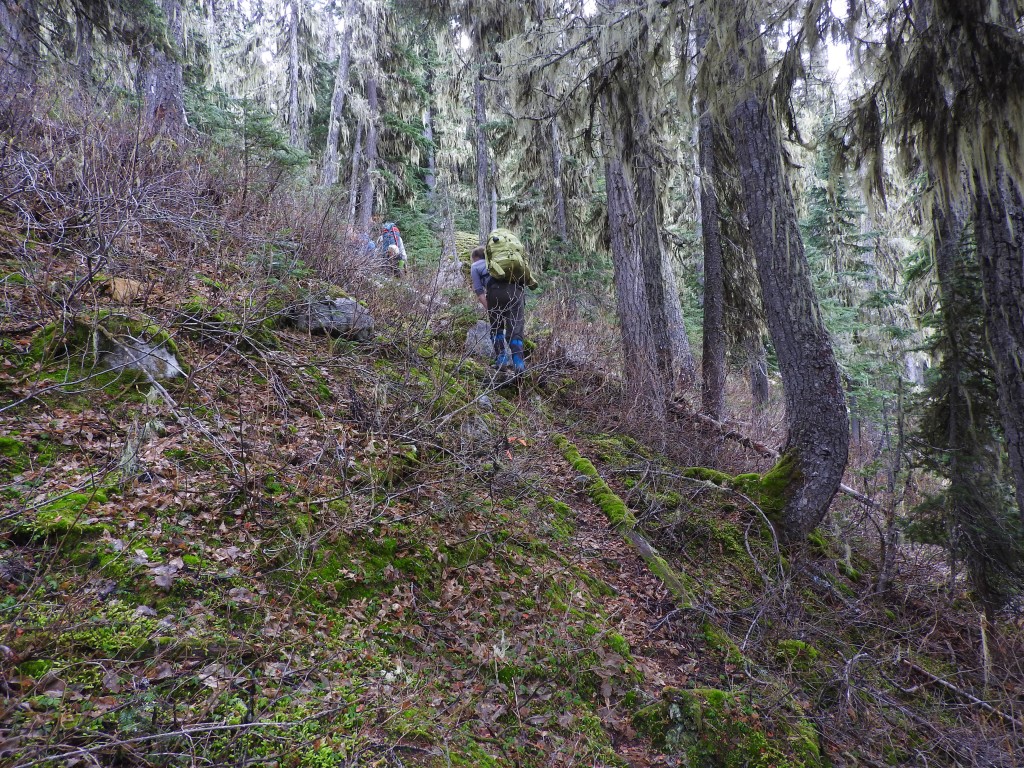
(508, 277)
(392, 249)
(478, 274)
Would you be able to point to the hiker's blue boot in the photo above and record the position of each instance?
(516, 345)
(500, 355)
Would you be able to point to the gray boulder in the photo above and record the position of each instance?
(336, 317)
(155, 360)
(478, 341)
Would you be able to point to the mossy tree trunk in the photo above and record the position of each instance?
(656, 350)
(483, 165)
(353, 184)
(962, 418)
(162, 80)
(712, 393)
(293, 72)
(19, 46)
(330, 170)
(999, 229)
(368, 192)
(818, 436)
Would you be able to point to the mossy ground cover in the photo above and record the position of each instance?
(303, 563)
(325, 554)
(780, 628)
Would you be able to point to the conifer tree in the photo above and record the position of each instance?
(815, 453)
(960, 431)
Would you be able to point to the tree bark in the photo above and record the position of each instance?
(84, 46)
(162, 80)
(655, 347)
(494, 199)
(293, 72)
(639, 357)
(818, 437)
(482, 162)
(430, 177)
(368, 192)
(999, 229)
(561, 220)
(19, 46)
(330, 172)
(353, 184)
(712, 394)
(757, 372)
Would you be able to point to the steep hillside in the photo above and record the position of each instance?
(307, 550)
(316, 552)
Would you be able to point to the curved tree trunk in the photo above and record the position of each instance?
(817, 443)
(999, 229)
(162, 81)
(330, 171)
(712, 393)
(368, 193)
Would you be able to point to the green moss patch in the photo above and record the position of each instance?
(13, 458)
(770, 491)
(725, 729)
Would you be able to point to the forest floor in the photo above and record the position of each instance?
(314, 552)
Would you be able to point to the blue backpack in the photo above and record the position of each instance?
(389, 235)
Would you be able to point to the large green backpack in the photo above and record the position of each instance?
(505, 259)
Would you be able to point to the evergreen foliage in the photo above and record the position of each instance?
(959, 439)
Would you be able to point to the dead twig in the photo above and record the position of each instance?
(961, 693)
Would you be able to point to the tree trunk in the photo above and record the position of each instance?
(330, 172)
(999, 229)
(561, 220)
(969, 478)
(655, 347)
(817, 443)
(368, 192)
(639, 358)
(757, 372)
(353, 184)
(84, 46)
(712, 394)
(430, 177)
(494, 198)
(163, 85)
(449, 268)
(482, 162)
(293, 72)
(19, 46)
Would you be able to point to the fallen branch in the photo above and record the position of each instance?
(964, 694)
(623, 520)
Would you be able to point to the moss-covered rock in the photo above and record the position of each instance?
(110, 339)
(724, 729)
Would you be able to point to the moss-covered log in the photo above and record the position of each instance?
(624, 521)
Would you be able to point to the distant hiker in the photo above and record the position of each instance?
(508, 273)
(478, 273)
(392, 248)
